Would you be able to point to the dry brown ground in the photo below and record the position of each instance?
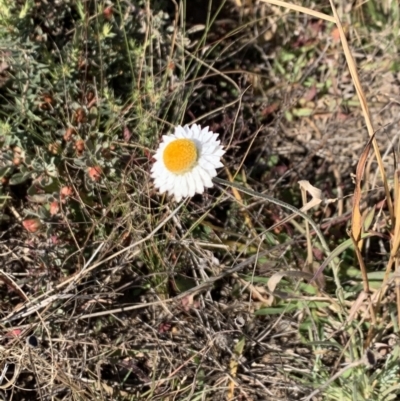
(117, 328)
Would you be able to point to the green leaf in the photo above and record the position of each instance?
(5, 171)
(303, 112)
(277, 310)
(240, 346)
(184, 283)
(19, 178)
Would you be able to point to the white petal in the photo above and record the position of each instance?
(157, 168)
(159, 172)
(185, 186)
(168, 138)
(198, 182)
(158, 182)
(213, 160)
(180, 132)
(190, 184)
(164, 179)
(196, 135)
(163, 189)
(177, 196)
(205, 178)
(204, 163)
(179, 188)
(210, 148)
(195, 128)
(171, 179)
(167, 186)
(206, 135)
(212, 172)
(198, 132)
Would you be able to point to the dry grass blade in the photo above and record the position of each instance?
(315, 193)
(361, 263)
(396, 230)
(394, 246)
(316, 196)
(300, 9)
(75, 279)
(356, 221)
(233, 365)
(396, 240)
(364, 105)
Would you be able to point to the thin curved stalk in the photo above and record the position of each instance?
(292, 209)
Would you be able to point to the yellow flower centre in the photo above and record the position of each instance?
(180, 155)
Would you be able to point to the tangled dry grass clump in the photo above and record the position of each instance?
(280, 282)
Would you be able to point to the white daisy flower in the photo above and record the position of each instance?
(186, 161)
